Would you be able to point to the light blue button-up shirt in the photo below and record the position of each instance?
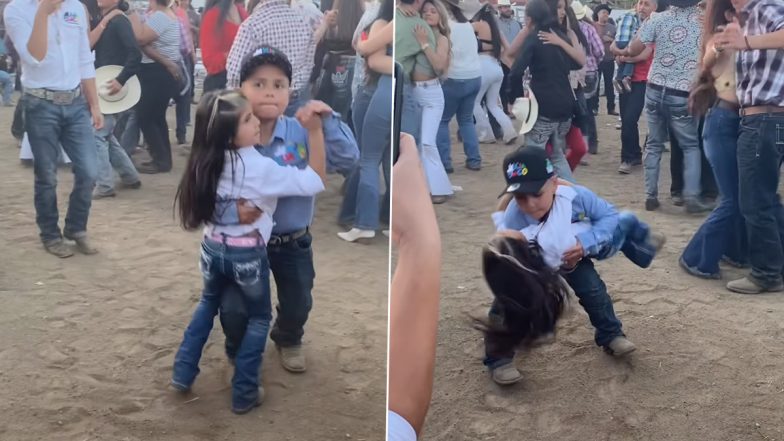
(586, 206)
(68, 60)
(289, 146)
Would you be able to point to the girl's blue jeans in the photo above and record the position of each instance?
(724, 231)
(221, 266)
(631, 238)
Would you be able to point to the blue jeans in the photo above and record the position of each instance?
(411, 119)
(71, 126)
(292, 267)
(111, 156)
(630, 238)
(760, 151)
(592, 292)
(375, 153)
(6, 87)
(669, 114)
(545, 130)
(459, 98)
(247, 269)
(724, 232)
(131, 134)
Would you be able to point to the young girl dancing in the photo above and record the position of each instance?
(225, 165)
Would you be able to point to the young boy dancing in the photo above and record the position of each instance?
(570, 225)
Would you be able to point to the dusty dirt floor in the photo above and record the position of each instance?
(87, 343)
(709, 364)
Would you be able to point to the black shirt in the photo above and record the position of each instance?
(117, 46)
(549, 66)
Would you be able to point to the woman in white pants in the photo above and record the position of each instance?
(428, 92)
(490, 45)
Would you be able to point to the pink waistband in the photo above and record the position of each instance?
(241, 241)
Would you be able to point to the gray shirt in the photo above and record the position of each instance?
(168, 31)
(509, 28)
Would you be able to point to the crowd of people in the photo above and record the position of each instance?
(292, 91)
(709, 75)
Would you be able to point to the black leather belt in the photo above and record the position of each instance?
(286, 238)
(668, 91)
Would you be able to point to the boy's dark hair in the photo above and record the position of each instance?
(217, 119)
(531, 296)
(265, 56)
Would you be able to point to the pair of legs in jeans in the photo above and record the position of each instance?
(459, 99)
(547, 130)
(158, 88)
(248, 269)
(70, 126)
(668, 114)
(111, 157)
(760, 152)
(723, 234)
(292, 267)
(6, 88)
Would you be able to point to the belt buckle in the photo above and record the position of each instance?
(274, 241)
(63, 98)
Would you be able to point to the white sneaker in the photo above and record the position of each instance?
(357, 235)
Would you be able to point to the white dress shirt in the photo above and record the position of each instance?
(260, 180)
(68, 60)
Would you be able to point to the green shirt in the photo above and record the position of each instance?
(407, 50)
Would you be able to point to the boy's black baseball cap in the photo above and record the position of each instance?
(527, 170)
(264, 56)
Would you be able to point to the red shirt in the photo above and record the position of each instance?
(215, 45)
(641, 69)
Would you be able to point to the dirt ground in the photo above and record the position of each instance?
(709, 364)
(87, 343)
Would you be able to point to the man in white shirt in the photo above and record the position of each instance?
(61, 106)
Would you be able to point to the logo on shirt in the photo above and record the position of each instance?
(71, 18)
(516, 169)
(291, 154)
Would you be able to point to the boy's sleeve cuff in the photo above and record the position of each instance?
(588, 241)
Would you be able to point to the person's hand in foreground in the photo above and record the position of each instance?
(415, 289)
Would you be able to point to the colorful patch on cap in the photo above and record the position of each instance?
(549, 166)
(516, 169)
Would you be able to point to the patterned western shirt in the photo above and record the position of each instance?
(595, 52)
(676, 33)
(276, 24)
(761, 73)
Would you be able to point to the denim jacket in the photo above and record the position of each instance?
(289, 146)
(585, 206)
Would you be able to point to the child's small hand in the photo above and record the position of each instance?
(247, 212)
(310, 115)
(573, 255)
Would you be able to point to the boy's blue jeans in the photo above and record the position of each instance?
(592, 292)
(624, 69)
(248, 269)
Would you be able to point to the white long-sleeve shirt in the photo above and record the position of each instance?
(68, 60)
(259, 179)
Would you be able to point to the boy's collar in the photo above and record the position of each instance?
(279, 133)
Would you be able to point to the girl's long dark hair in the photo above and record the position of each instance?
(542, 17)
(387, 11)
(531, 296)
(703, 93)
(487, 16)
(457, 14)
(217, 119)
(349, 14)
(571, 22)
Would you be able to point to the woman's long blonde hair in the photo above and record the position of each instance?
(443, 17)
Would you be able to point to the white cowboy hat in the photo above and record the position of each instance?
(580, 10)
(123, 100)
(504, 3)
(526, 110)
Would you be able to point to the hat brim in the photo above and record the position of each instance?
(526, 110)
(529, 188)
(132, 86)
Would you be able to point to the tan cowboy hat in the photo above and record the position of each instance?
(123, 100)
(581, 10)
(469, 8)
(526, 110)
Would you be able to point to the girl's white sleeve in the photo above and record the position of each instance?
(286, 180)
